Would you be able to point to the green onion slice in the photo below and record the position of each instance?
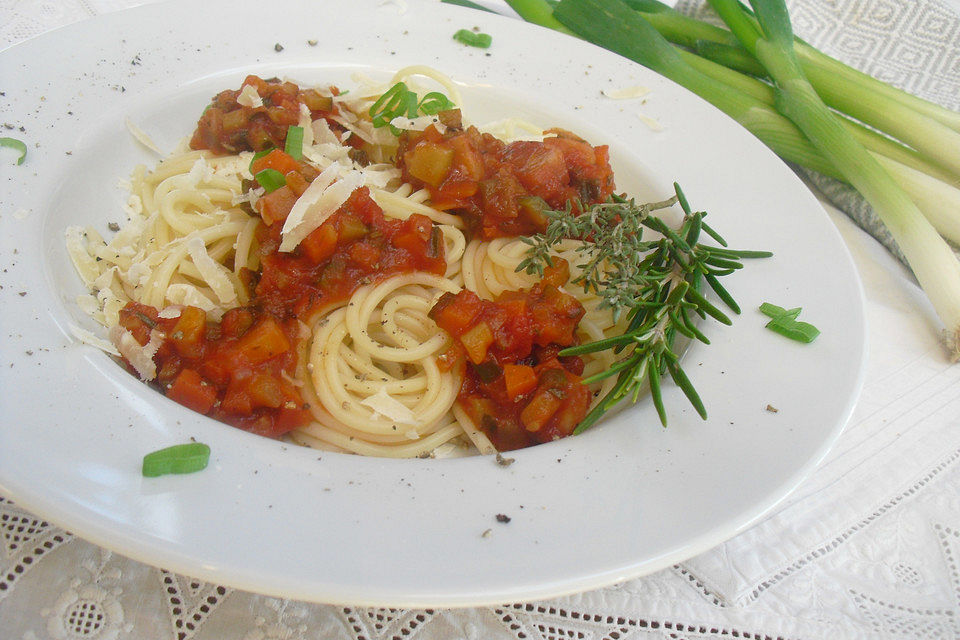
(294, 144)
(473, 39)
(394, 102)
(784, 322)
(18, 145)
(434, 102)
(180, 458)
(270, 179)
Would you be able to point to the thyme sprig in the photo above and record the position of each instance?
(659, 283)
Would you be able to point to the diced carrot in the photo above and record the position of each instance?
(265, 391)
(263, 341)
(476, 341)
(276, 159)
(519, 379)
(540, 409)
(187, 334)
(320, 243)
(189, 389)
(454, 313)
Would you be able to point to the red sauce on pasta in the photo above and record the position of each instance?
(502, 188)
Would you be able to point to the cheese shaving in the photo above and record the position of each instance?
(213, 273)
(650, 122)
(86, 265)
(139, 356)
(322, 198)
(142, 137)
(383, 404)
(627, 93)
(249, 97)
(89, 338)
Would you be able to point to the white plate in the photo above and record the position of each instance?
(624, 499)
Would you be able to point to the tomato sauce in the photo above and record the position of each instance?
(502, 189)
(227, 127)
(517, 388)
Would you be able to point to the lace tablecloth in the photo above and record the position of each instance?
(867, 547)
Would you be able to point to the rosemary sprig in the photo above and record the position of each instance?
(659, 283)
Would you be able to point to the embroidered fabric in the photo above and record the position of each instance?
(867, 547)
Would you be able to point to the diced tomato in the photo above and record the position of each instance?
(190, 390)
(277, 160)
(263, 341)
(519, 379)
(275, 206)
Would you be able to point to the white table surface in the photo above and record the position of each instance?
(868, 546)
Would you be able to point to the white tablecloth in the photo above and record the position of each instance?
(868, 546)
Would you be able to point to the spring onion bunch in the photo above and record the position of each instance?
(900, 152)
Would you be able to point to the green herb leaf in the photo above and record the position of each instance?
(18, 145)
(270, 179)
(657, 283)
(473, 38)
(180, 458)
(784, 322)
(294, 142)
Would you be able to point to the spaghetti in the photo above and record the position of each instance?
(366, 301)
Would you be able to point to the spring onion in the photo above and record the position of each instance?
(910, 178)
(18, 145)
(399, 101)
(770, 40)
(784, 322)
(293, 145)
(270, 179)
(473, 38)
(180, 458)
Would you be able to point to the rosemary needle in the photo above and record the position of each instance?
(658, 284)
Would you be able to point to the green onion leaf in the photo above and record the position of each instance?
(473, 39)
(270, 179)
(18, 145)
(784, 322)
(180, 458)
(294, 143)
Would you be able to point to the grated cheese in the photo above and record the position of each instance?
(89, 338)
(213, 272)
(627, 93)
(139, 356)
(383, 404)
(142, 137)
(249, 97)
(322, 198)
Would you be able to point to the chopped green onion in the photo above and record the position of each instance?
(434, 102)
(180, 458)
(18, 145)
(294, 143)
(270, 179)
(258, 155)
(784, 322)
(473, 38)
(399, 101)
(394, 102)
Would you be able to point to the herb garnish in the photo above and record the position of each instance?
(657, 283)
